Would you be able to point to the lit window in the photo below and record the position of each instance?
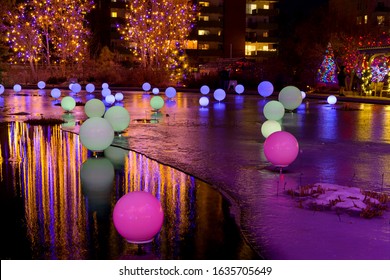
(265, 34)
(251, 8)
(114, 14)
(266, 7)
(381, 20)
(219, 33)
(191, 44)
(203, 4)
(203, 18)
(265, 48)
(250, 50)
(203, 32)
(365, 19)
(204, 46)
(359, 20)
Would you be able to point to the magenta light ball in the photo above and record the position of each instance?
(265, 88)
(281, 148)
(138, 217)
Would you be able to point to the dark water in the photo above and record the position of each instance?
(49, 212)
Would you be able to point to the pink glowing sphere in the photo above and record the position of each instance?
(281, 148)
(138, 217)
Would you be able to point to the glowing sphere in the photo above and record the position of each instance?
(17, 88)
(146, 86)
(110, 99)
(117, 156)
(41, 84)
(76, 88)
(203, 101)
(96, 134)
(104, 85)
(106, 92)
(2, 89)
(281, 148)
(332, 99)
(138, 217)
(239, 89)
(118, 117)
(118, 96)
(69, 120)
(219, 94)
(204, 89)
(90, 88)
(265, 88)
(68, 103)
(269, 127)
(290, 97)
(94, 108)
(97, 176)
(155, 91)
(170, 92)
(303, 94)
(273, 110)
(157, 102)
(55, 93)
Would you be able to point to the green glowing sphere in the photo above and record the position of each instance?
(68, 103)
(269, 127)
(157, 102)
(290, 97)
(96, 134)
(273, 110)
(118, 117)
(94, 108)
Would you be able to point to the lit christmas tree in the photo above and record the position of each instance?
(156, 30)
(328, 72)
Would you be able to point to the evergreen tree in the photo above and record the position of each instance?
(328, 71)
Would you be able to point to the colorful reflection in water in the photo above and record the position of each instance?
(57, 201)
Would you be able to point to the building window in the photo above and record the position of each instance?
(381, 20)
(203, 32)
(365, 19)
(359, 20)
(266, 7)
(251, 9)
(265, 34)
(114, 14)
(191, 44)
(204, 46)
(204, 18)
(250, 50)
(265, 48)
(204, 4)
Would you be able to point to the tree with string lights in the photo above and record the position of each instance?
(327, 71)
(156, 30)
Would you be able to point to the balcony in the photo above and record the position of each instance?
(265, 12)
(261, 25)
(201, 24)
(211, 10)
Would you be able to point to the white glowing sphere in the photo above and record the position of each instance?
(104, 85)
(219, 94)
(96, 134)
(110, 99)
(106, 92)
(157, 102)
(273, 110)
(76, 88)
(118, 117)
(155, 91)
(146, 86)
(204, 89)
(265, 88)
(2, 89)
(118, 96)
(170, 92)
(68, 103)
(269, 127)
(332, 99)
(290, 97)
(94, 108)
(55, 93)
(303, 94)
(41, 84)
(203, 101)
(17, 88)
(239, 88)
(90, 88)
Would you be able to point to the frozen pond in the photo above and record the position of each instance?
(223, 146)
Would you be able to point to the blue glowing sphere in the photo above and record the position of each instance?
(41, 84)
(155, 91)
(239, 89)
(104, 85)
(110, 99)
(106, 92)
(332, 99)
(90, 88)
(76, 88)
(265, 88)
(2, 89)
(170, 92)
(219, 94)
(55, 93)
(146, 86)
(118, 96)
(203, 101)
(204, 89)
(17, 88)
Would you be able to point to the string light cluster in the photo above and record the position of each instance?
(156, 30)
(52, 30)
(327, 71)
